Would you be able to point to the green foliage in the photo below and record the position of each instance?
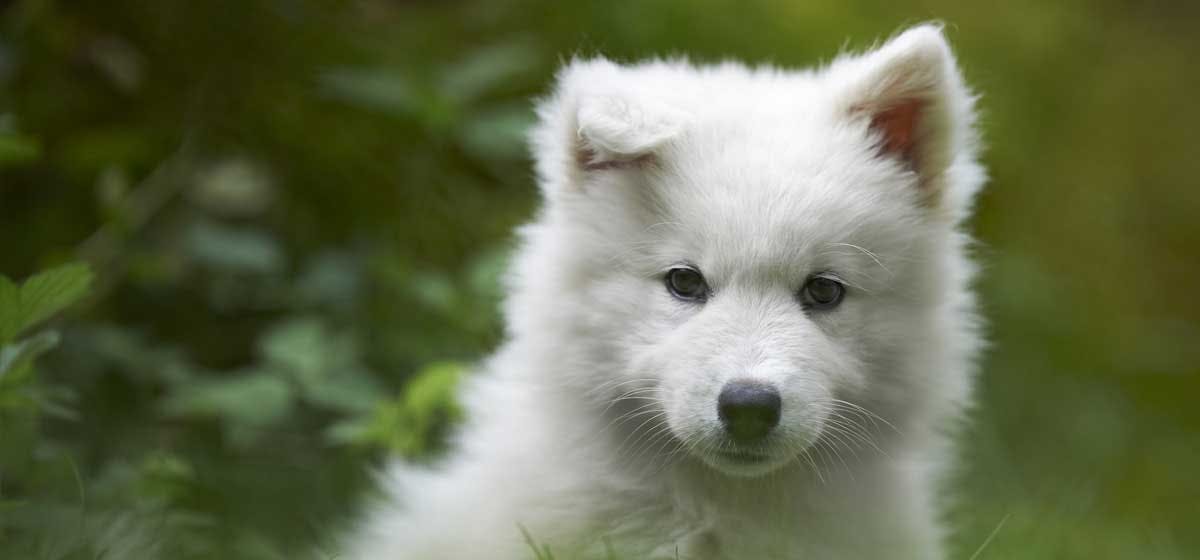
(16, 358)
(22, 400)
(16, 149)
(540, 552)
(24, 306)
(39, 297)
(412, 423)
(246, 404)
(299, 212)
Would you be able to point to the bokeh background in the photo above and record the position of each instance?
(295, 213)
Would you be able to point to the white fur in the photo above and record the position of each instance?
(594, 425)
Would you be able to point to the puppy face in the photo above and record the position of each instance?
(757, 257)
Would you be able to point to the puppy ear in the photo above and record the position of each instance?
(911, 99)
(597, 121)
(617, 130)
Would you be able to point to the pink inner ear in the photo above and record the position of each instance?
(585, 157)
(898, 123)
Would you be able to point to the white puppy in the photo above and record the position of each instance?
(740, 327)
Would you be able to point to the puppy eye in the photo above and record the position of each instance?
(822, 292)
(687, 284)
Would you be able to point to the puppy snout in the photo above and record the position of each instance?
(748, 409)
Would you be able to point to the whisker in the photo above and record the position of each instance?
(868, 253)
(636, 394)
(867, 413)
(610, 385)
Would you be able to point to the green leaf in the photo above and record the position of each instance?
(488, 69)
(412, 423)
(10, 309)
(485, 274)
(433, 389)
(49, 292)
(246, 403)
(234, 250)
(16, 149)
(433, 289)
(324, 364)
(301, 347)
(498, 134)
(15, 358)
(351, 391)
(377, 89)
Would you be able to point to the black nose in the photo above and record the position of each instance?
(748, 409)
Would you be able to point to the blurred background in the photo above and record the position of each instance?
(295, 212)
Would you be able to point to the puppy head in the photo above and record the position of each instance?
(759, 260)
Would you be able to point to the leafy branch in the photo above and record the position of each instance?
(23, 306)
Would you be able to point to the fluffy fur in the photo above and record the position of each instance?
(595, 427)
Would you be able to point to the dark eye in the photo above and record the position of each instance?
(822, 292)
(687, 284)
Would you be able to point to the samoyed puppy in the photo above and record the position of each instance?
(739, 328)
